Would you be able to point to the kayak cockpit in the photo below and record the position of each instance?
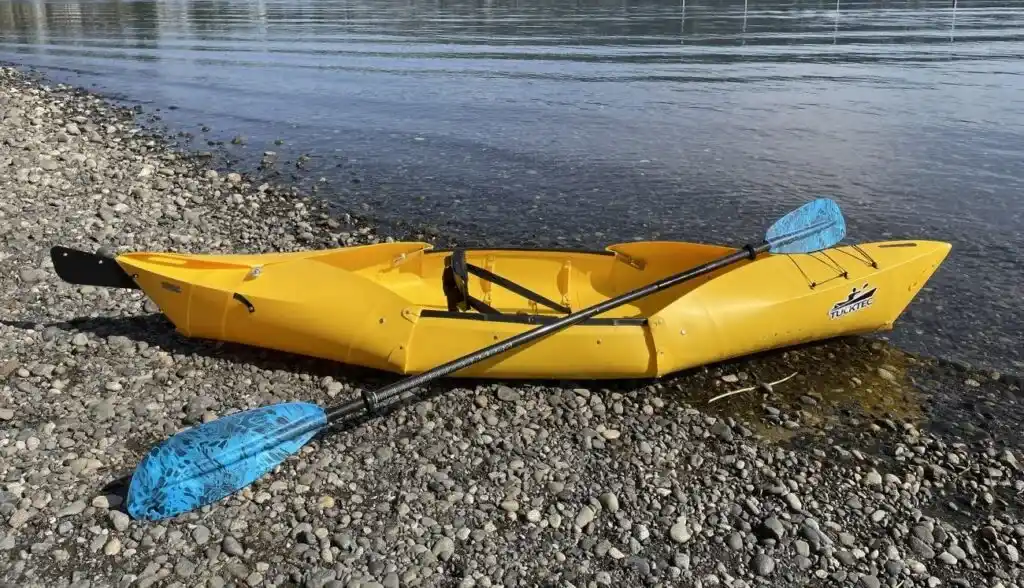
(539, 285)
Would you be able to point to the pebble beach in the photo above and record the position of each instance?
(844, 475)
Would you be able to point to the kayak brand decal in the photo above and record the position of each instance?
(857, 300)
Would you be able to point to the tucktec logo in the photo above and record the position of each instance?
(857, 300)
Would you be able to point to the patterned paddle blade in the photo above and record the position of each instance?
(817, 225)
(203, 464)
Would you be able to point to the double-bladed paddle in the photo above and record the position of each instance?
(203, 464)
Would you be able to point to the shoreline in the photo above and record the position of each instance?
(847, 479)
(295, 179)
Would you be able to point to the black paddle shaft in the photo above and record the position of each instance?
(372, 400)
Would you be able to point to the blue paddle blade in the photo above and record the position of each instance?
(814, 226)
(203, 464)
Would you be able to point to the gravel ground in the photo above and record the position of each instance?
(837, 477)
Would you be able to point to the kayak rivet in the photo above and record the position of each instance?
(381, 321)
(598, 341)
(682, 331)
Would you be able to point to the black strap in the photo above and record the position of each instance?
(461, 268)
(456, 287)
(514, 287)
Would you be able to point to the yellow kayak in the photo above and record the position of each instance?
(407, 307)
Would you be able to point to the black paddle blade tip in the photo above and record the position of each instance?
(89, 269)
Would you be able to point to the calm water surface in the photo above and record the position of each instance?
(541, 122)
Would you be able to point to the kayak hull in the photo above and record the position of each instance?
(388, 306)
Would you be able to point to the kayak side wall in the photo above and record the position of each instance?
(771, 304)
(310, 305)
(315, 308)
(580, 351)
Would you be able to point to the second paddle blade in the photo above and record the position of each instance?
(203, 464)
(817, 225)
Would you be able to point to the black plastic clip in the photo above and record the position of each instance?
(244, 301)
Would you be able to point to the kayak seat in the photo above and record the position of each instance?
(455, 282)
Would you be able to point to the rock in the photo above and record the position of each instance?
(680, 531)
(444, 548)
(762, 564)
(119, 520)
(19, 518)
(1010, 551)
(72, 509)
(507, 394)
(585, 516)
(802, 548)
(231, 546)
(31, 276)
(201, 535)
(920, 548)
(873, 478)
(923, 533)
(682, 560)
(722, 431)
(794, 502)
(735, 541)
(184, 568)
(846, 558)
(610, 502)
(771, 528)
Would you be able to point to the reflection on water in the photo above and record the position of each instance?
(591, 122)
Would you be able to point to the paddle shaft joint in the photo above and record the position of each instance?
(372, 400)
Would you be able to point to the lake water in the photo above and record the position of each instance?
(586, 123)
